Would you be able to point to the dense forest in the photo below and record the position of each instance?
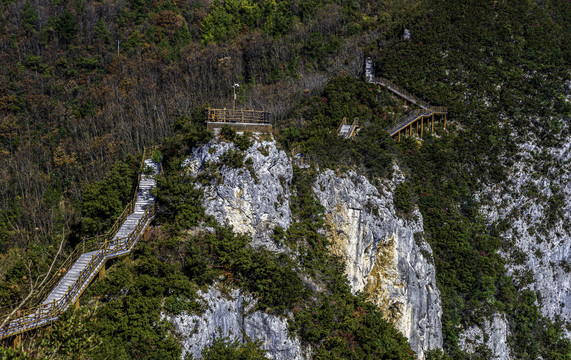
(86, 85)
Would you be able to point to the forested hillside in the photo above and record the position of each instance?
(86, 85)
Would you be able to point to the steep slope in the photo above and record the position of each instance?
(533, 207)
(253, 199)
(232, 315)
(386, 257)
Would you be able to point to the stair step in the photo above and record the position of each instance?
(143, 200)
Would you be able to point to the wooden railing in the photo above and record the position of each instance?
(86, 245)
(406, 95)
(37, 316)
(411, 117)
(237, 116)
(425, 108)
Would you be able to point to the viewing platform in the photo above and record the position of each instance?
(238, 119)
(348, 131)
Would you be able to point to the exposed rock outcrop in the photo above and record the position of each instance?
(535, 207)
(493, 334)
(231, 315)
(253, 202)
(386, 257)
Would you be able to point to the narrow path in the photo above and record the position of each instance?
(71, 286)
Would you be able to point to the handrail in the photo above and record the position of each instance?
(397, 89)
(87, 245)
(409, 118)
(237, 115)
(39, 312)
(405, 94)
(37, 316)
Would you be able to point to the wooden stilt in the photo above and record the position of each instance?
(17, 341)
(76, 304)
(432, 122)
(444, 121)
(102, 272)
(399, 136)
(421, 126)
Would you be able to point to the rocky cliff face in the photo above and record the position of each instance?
(253, 201)
(535, 207)
(386, 257)
(493, 334)
(231, 315)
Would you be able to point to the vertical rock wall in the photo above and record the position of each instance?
(386, 257)
(534, 204)
(255, 202)
(230, 315)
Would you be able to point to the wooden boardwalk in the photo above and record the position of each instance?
(90, 263)
(411, 118)
(415, 117)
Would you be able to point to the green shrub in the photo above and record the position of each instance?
(243, 142)
(403, 198)
(226, 349)
(233, 159)
(103, 201)
(228, 132)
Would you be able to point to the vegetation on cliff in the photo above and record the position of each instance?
(84, 85)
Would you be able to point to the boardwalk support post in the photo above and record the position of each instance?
(102, 272)
(17, 341)
(76, 304)
(444, 121)
(421, 126)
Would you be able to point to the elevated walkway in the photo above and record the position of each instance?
(411, 118)
(90, 259)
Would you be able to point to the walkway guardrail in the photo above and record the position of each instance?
(237, 116)
(40, 315)
(105, 246)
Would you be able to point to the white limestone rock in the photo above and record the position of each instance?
(537, 246)
(251, 205)
(493, 334)
(386, 257)
(231, 315)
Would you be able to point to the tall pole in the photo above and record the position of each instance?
(234, 100)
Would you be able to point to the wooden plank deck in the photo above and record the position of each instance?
(71, 286)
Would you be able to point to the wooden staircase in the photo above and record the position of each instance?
(348, 131)
(406, 122)
(91, 260)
